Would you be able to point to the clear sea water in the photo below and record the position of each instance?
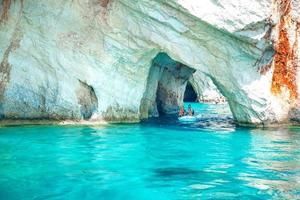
(157, 159)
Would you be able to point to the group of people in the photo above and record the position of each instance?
(183, 112)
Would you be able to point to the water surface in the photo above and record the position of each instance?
(157, 159)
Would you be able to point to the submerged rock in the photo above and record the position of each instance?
(248, 49)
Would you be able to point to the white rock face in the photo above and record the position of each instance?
(53, 51)
(166, 85)
(205, 89)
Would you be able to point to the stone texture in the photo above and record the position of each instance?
(165, 86)
(87, 100)
(249, 50)
(205, 89)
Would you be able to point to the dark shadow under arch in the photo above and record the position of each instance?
(165, 88)
(190, 95)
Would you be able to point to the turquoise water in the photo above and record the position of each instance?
(157, 159)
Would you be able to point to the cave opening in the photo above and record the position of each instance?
(166, 85)
(190, 94)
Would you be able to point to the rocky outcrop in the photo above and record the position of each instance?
(165, 87)
(87, 100)
(205, 89)
(285, 79)
(249, 50)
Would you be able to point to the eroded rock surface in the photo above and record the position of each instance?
(249, 50)
(87, 100)
(165, 86)
(205, 89)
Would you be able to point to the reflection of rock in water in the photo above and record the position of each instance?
(216, 123)
(275, 150)
(176, 171)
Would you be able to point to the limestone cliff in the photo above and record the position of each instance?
(97, 59)
(205, 89)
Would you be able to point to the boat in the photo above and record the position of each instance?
(188, 119)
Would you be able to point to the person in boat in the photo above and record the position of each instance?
(190, 110)
(182, 112)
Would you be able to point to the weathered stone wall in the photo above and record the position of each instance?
(249, 50)
(165, 87)
(205, 89)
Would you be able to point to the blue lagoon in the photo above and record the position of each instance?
(157, 159)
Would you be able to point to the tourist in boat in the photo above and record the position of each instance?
(190, 111)
(181, 111)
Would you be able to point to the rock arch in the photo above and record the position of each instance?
(252, 59)
(165, 88)
(231, 57)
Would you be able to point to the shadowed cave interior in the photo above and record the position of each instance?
(166, 86)
(190, 94)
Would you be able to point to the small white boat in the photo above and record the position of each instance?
(187, 119)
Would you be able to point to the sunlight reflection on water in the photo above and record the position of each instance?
(158, 159)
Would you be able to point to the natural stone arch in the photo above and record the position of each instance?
(81, 44)
(232, 60)
(205, 89)
(166, 84)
